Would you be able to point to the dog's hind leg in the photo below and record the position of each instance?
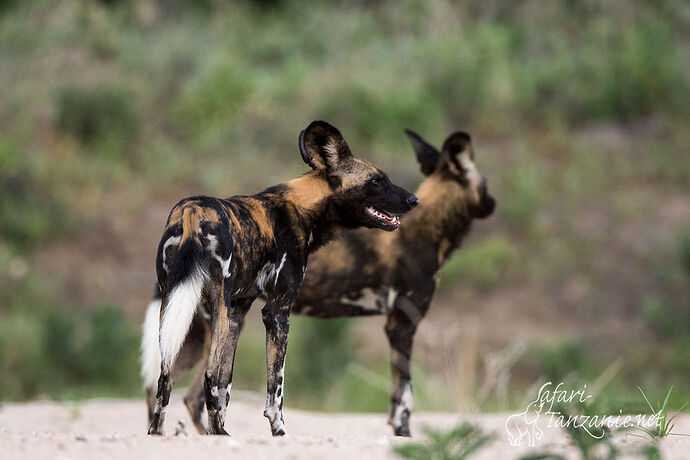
(401, 326)
(226, 326)
(194, 398)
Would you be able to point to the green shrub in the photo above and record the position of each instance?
(319, 353)
(563, 359)
(6, 5)
(669, 320)
(111, 352)
(380, 114)
(458, 443)
(30, 212)
(57, 353)
(105, 119)
(22, 361)
(483, 261)
(524, 194)
(209, 102)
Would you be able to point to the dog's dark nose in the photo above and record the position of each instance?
(412, 201)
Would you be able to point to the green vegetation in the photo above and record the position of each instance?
(579, 115)
(102, 118)
(664, 426)
(456, 444)
(45, 353)
(484, 261)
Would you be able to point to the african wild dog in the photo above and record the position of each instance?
(378, 273)
(217, 255)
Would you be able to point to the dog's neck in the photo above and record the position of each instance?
(442, 219)
(311, 196)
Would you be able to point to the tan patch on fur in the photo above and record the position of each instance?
(338, 258)
(191, 215)
(175, 216)
(190, 223)
(259, 216)
(438, 198)
(443, 250)
(387, 248)
(309, 192)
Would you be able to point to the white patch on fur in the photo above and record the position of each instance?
(150, 348)
(368, 299)
(265, 274)
(269, 273)
(223, 396)
(172, 240)
(280, 267)
(471, 171)
(224, 263)
(178, 314)
(273, 402)
(406, 402)
(331, 149)
(392, 295)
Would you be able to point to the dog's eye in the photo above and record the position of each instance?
(375, 181)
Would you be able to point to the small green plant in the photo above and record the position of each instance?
(588, 442)
(664, 424)
(456, 444)
(560, 360)
(592, 444)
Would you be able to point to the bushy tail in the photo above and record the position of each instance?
(187, 276)
(150, 347)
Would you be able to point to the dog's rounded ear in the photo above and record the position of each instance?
(456, 144)
(322, 146)
(427, 155)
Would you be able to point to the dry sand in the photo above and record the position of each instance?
(114, 429)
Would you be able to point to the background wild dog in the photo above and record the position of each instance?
(393, 274)
(217, 255)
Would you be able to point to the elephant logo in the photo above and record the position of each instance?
(524, 424)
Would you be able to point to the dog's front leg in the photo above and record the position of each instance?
(276, 316)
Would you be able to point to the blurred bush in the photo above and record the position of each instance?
(482, 262)
(210, 101)
(56, 354)
(103, 118)
(30, 212)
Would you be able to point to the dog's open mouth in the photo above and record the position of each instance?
(384, 217)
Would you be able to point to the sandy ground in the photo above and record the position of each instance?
(107, 429)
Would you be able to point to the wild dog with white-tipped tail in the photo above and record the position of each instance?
(376, 273)
(217, 255)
